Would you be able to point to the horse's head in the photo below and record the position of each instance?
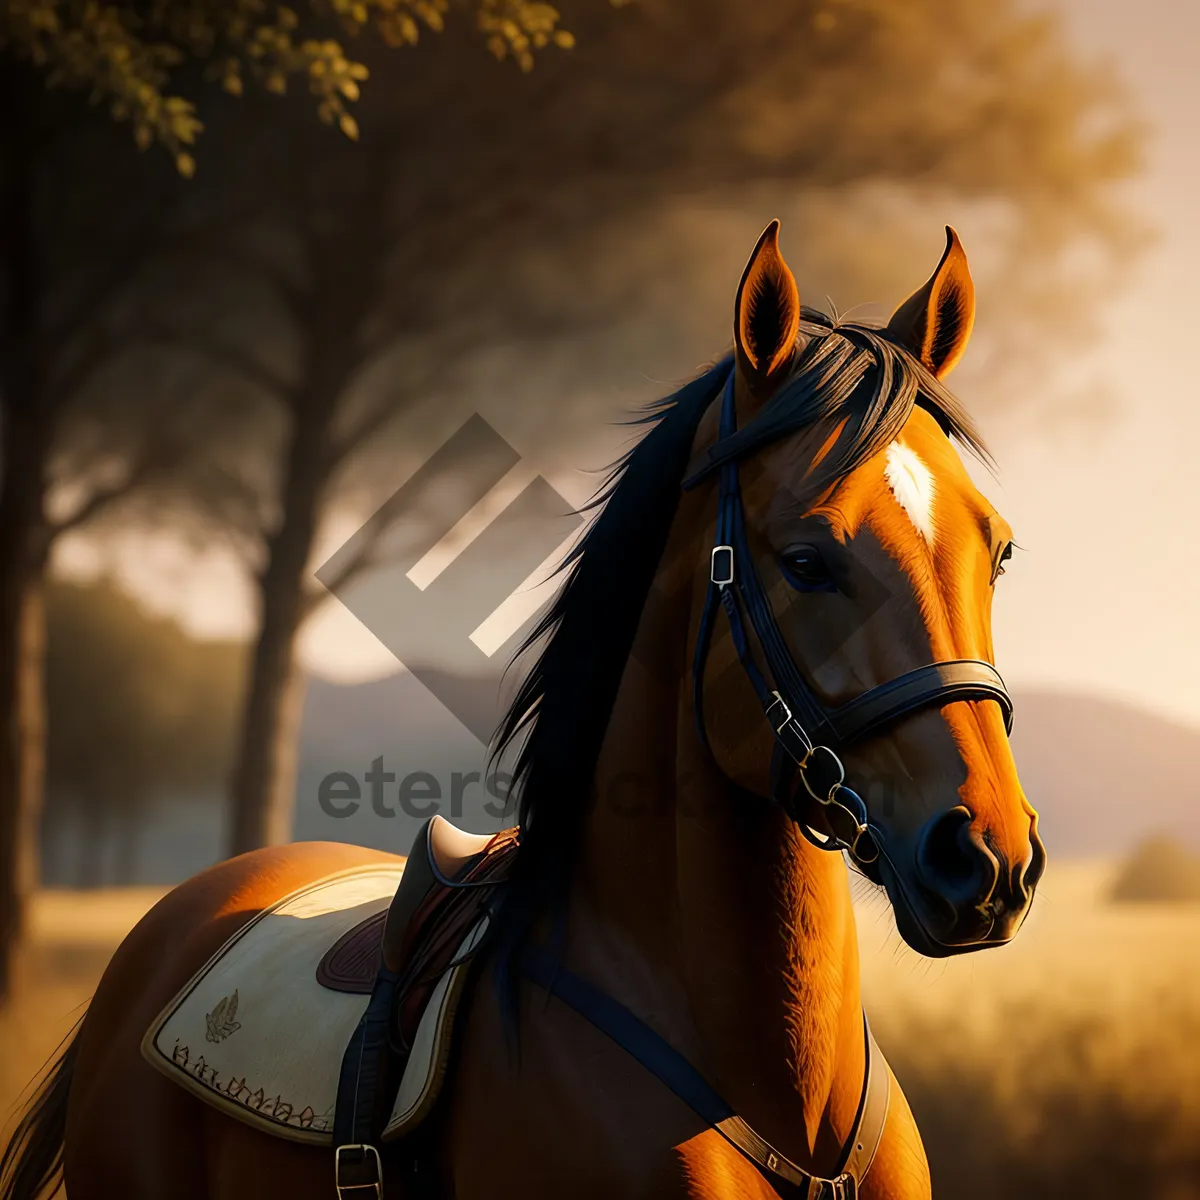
(877, 555)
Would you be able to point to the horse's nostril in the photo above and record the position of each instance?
(1037, 862)
(946, 857)
(966, 874)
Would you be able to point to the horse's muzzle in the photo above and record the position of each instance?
(960, 894)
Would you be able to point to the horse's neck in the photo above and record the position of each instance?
(707, 913)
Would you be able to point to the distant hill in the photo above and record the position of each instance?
(1102, 774)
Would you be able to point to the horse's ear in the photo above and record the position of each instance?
(766, 314)
(935, 321)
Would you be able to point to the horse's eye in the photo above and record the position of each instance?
(805, 569)
(1005, 555)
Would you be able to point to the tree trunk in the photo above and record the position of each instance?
(347, 245)
(22, 726)
(263, 786)
(24, 541)
(22, 665)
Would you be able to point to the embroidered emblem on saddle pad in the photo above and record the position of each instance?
(257, 1035)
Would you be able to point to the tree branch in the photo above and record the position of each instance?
(162, 458)
(100, 295)
(370, 424)
(294, 297)
(253, 370)
(102, 342)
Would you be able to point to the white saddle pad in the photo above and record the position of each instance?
(256, 1035)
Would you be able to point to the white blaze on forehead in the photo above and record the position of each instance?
(911, 482)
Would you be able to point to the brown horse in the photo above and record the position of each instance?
(652, 855)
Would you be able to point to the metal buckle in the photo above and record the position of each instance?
(788, 722)
(843, 1187)
(857, 854)
(841, 779)
(861, 824)
(724, 578)
(365, 1187)
(787, 712)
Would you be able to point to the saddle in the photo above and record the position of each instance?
(327, 1019)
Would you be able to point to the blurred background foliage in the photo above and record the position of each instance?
(1160, 870)
(142, 720)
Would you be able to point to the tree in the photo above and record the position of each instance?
(53, 332)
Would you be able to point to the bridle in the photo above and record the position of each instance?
(809, 736)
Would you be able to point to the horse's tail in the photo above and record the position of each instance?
(32, 1163)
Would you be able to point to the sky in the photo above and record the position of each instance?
(1104, 597)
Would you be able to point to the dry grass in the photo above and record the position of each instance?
(73, 936)
(1066, 1065)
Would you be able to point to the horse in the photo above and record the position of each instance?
(769, 665)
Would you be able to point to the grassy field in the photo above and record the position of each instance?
(73, 934)
(1066, 1065)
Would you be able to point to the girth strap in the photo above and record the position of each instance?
(662, 1060)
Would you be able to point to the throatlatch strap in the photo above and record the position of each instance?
(663, 1061)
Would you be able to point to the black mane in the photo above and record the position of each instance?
(558, 718)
